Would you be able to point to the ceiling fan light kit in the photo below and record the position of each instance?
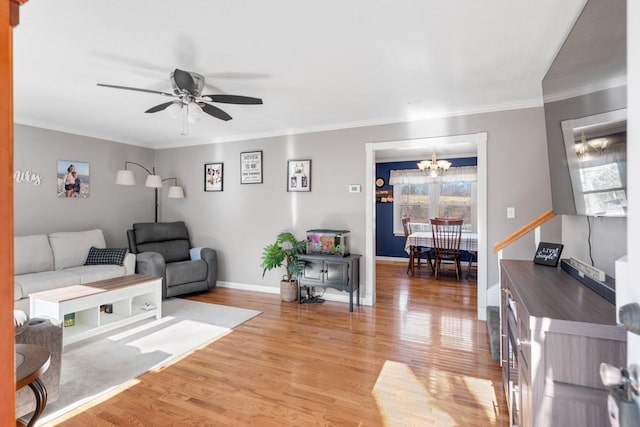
(188, 99)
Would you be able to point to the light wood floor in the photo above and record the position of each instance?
(417, 358)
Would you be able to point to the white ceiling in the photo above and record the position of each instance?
(317, 65)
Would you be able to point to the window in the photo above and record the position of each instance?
(453, 196)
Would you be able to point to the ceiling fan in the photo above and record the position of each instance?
(187, 97)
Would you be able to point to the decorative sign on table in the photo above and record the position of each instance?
(548, 254)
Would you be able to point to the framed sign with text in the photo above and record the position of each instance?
(251, 167)
(548, 254)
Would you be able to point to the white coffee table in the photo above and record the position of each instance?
(127, 296)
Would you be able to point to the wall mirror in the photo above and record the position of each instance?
(596, 148)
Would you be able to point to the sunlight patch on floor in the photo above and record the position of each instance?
(484, 393)
(444, 399)
(457, 333)
(404, 401)
(416, 327)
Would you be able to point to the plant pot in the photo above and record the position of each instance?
(289, 290)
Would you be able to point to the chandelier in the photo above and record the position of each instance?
(434, 167)
(586, 149)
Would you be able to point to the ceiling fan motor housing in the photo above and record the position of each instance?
(198, 84)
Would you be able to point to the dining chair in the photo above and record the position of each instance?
(447, 233)
(415, 255)
(472, 255)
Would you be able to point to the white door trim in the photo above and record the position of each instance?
(480, 139)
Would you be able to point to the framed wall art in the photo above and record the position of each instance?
(73, 179)
(299, 175)
(251, 167)
(213, 177)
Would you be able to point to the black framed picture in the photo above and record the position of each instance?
(213, 176)
(299, 175)
(251, 167)
(548, 254)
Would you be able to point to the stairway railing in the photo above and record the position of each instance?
(523, 230)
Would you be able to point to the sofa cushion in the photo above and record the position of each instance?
(179, 273)
(147, 232)
(99, 256)
(169, 239)
(171, 251)
(70, 249)
(32, 254)
(26, 284)
(93, 273)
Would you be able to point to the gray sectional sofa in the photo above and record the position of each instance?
(55, 260)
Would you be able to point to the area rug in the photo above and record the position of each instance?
(94, 366)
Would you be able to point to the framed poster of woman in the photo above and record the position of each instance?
(73, 179)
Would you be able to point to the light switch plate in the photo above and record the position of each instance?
(354, 188)
(511, 213)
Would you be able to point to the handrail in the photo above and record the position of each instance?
(523, 230)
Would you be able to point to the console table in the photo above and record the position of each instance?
(555, 332)
(330, 271)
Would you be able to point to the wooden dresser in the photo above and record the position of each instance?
(555, 332)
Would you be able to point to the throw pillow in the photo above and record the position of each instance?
(113, 256)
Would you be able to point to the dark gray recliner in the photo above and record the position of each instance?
(163, 249)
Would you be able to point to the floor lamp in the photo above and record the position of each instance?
(126, 177)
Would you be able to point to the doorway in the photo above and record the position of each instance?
(373, 149)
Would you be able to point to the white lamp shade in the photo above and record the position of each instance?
(125, 177)
(175, 192)
(153, 181)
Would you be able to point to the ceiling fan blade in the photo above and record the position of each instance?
(234, 99)
(184, 80)
(159, 107)
(215, 112)
(136, 89)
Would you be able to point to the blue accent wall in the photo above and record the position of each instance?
(386, 243)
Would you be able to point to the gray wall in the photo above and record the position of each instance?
(111, 207)
(243, 218)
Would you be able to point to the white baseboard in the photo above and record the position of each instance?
(329, 296)
(247, 287)
(392, 259)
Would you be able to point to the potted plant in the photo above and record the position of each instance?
(284, 252)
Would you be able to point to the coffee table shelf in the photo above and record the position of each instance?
(126, 294)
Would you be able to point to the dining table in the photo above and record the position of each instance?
(424, 239)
